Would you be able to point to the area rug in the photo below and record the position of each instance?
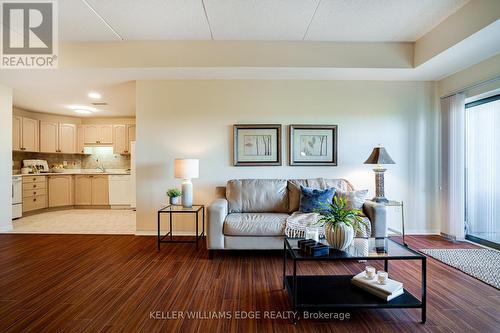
(483, 264)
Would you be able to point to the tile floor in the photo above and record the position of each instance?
(78, 221)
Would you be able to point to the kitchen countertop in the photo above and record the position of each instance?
(77, 172)
(74, 173)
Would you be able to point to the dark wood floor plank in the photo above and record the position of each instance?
(103, 283)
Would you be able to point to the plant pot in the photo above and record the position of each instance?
(175, 200)
(341, 237)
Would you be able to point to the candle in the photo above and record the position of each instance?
(370, 272)
(382, 277)
(312, 233)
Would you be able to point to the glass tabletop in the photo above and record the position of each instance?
(360, 249)
(181, 209)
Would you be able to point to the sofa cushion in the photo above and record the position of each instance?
(319, 183)
(257, 196)
(355, 199)
(255, 224)
(313, 200)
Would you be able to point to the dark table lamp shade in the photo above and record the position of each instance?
(379, 156)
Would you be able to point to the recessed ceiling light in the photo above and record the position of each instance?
(82, 107)
(94, 95)
(82, 111)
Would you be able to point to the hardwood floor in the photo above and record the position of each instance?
(89, 283)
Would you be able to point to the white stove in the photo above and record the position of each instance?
(17, 197)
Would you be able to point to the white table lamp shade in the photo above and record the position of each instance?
(186, 168)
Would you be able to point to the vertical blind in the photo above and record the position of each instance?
(452, 171)
(483, 170)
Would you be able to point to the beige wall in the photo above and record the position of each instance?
(483, 71)
(5, 157)
(194, 119)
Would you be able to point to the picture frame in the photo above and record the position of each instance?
(312, 145)
(257, 145)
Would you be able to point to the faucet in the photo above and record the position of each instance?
(99, 165)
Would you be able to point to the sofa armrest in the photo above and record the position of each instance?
(217, 212)
(376, 212)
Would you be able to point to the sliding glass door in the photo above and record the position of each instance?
(482, 173)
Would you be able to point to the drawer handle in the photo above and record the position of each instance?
(34, 185)
(34, 179)
(34, 193)
(34, 199)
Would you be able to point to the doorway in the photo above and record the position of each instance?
(482, 171)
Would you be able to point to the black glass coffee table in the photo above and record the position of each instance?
(323, 292)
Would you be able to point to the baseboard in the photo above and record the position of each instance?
(6, 228)
(155, 233)
(418, 232)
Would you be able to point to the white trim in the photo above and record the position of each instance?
(155, 233)
(422, 232)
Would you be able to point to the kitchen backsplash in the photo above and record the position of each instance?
(108, 161)
(75, 161)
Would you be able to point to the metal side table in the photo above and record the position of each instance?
(392, 203)
(171, 210)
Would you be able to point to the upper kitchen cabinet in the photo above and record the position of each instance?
(98, 134)
(68, 137)
(120, 139)
(58, 137)
(17, 130)
(24, 134)
(80, 140)
(131, 133)
(49, 137)
(30, 134)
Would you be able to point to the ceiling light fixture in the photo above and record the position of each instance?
(94, 95)
(82, 111)
(82, 107)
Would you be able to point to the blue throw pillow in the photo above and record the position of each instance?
(312, 199)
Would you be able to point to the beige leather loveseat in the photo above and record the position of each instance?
(252, 212)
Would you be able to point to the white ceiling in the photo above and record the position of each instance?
(325, 20)
(293, 20)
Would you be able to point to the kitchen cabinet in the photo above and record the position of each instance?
(30, 135)
(49, 137)
(100, 190)
(120, 139)
(60, 189)
(98, 134)
(83, 190)
(58, 137)
(91, 190)
(105, 134)
(131, 134)
(90, 135)
(80, 140)
(34, 193)
(68, 137)
(17, 124)
(25, 134)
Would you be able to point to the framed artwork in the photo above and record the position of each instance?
(256, 145)
(313, 145)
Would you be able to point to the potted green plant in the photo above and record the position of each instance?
(175, 196)
(340, 223)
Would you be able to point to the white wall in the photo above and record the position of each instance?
(5, 158)
(195, 118)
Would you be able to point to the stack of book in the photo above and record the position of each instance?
(312, 248)
(388, 291)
